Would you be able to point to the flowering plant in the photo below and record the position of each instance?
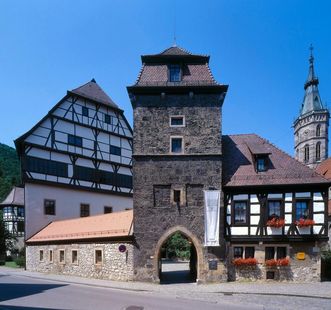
(276, 222)
(305, 222)
(244, 262)
(277, 262)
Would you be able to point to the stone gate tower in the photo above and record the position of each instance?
(312, 126)
(177, 154)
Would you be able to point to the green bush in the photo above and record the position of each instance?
(178, 246)
(326, 255)
(20, 261)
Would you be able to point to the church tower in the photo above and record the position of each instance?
(312, 125)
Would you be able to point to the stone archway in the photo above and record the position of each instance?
(196, 243)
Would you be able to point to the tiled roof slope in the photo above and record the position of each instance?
(93, 91)
(239, 170)
(324, 169)
(176, 50)
(117, 224)
(15, 197)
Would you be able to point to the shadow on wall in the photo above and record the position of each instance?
(15, 290)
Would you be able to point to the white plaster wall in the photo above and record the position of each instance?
(67, 204)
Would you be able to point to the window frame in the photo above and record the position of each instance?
(109, 209)
(264, 159)
(309, 208)
(72, 257)
(246, 223)
(171, 68)
(241, 249)
(318, 130)
(318, 151)
(50, 256)
(85, 111)
(64, 256)
(281, 208)
(41, 255)
(83, 211)
(107, 119)
(115, 150)
(74, 140)
(182, 144)
(47, 207)
(172, 117)
(306, 152)
(95, 257)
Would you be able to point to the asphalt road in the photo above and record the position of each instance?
(19, 292)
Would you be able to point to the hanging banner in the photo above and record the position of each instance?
(212, 217)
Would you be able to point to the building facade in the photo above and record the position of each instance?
(177, 155)
(76, 161)
(311, 127)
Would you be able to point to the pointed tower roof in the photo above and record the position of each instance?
(312, 100)
(93, 91)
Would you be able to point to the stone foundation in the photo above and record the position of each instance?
(115, 265)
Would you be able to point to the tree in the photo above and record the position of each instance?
(7, 241)
(178, 246)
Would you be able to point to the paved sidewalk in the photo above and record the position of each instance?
(310, 290)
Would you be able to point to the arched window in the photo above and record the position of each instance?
(318, 150)
(306, 152)
(318, 130)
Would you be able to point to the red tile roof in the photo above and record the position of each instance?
(117, 224)
(239, 169)
(93, 91)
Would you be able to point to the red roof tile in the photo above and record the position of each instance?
(239, 169)
(117, 224)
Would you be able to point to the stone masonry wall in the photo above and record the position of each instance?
(307, 270)
(115, 265)
(157, 173)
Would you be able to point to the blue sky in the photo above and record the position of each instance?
(259, 48)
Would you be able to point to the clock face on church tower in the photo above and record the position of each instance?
(306, 132)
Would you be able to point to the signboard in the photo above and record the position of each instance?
(301, 255)
(212, 217)
(122, 248)
(212, 264)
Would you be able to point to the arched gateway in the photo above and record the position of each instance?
(196, 258)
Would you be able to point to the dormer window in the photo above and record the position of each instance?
(174, 73)
(261, 164)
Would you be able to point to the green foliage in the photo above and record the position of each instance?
(178, 246)
(326, 255)
(7, 241)
(9, 170)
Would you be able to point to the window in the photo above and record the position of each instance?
(41, 255)
(176, 145)
(261, 164)
(50, 256)
(301, 210)
(45, 166)
(115, 150)
(74, 256)
(177, 121)
(107, 119)
(108, 210)
(269, 253)
(85, 111)
(238, 252)
(20, 211)
(306, 152)
(240, 208)
(318, 130)
(98, 257)
(177, 196)
(84, 210)
(174, 73)
(20, 228)
(49, 207)
(75, 140)
(61, 257)
(274, 207)
(281, 252)
(318, 150)
(249, 252)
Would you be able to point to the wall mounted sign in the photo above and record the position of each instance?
(212, 264)
(301, 255)
(122, 248)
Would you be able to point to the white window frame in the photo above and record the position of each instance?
(74, 263)
(177, 116)
(95, 256)
(64, 256)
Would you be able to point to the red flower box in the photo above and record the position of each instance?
(277, 262)
(305, 222)
(276, 222)
(244, 262)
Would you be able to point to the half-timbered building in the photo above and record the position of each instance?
(76, 161)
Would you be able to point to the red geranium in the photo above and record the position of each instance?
(305, 222)
(277, 262)
(244, 261)
(276, 222)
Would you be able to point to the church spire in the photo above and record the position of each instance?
(312, 101)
